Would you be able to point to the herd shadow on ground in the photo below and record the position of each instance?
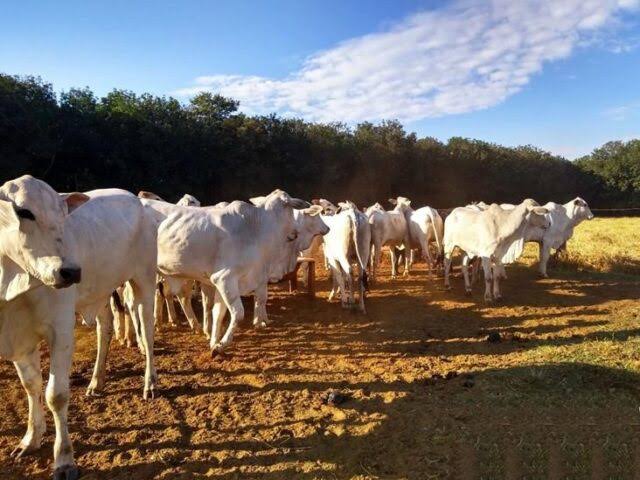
(402, 445)
(433, 331)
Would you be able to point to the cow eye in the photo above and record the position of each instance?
(25, 213)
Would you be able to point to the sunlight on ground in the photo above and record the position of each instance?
(429, 396)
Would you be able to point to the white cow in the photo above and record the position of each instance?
(188, 201)
(36, 263)
(388, 228)
(238, 249)
(109, 237)
(348, 242)
(495, 235)
(313, 250)
(563, 219)
(425, 225)
(168, 287)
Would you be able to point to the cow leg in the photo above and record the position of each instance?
(218, 313)
(486, 266)
(130, 335)
(143, 306)
(335, 276)
(408, 252)
(260, 319)
(394, 259)
(447, 268)
(171, 310)
(345, 283)
(375, 259)
(185, 302)
(135, 323)
(104, 332)
(465, 273)
(349, 286)
(362, 290)
(208, 293)
(118, 320)
(228, 289)
(57, 396)
(545, 252)
(497, 274)
(31, 378)
(426, 254)
(158, 307)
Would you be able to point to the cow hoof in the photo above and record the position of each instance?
(467, 293)
(93, 391)
(217, 350)
(149, 393)
(543, 275)
(259, 325)
(68, 472)
(22, 450)
(447, 288)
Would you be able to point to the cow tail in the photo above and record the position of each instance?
(435, 231)
(116, 300)
(160, 287)
(356, 224)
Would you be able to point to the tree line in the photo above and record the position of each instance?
(206, 147)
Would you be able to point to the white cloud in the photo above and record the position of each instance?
(467, 56)
(622, 112)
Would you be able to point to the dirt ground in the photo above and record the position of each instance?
(429, 396)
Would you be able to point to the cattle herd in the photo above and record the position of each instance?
(113, 259)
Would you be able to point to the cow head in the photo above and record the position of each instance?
(279, 199)
(328, 208)
(537, 216)
(309, 223)
(32, 218)
(376, 207)
(188, 201)
(401, 203)
(581, 210)
(149, 196)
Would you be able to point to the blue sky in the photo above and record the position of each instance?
(559, 74)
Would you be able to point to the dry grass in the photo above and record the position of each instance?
(609, 245)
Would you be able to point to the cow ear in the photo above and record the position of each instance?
(298, 204)
(315, 201)
(8, 215)
(313, 210)
(75, 199)
(537, 210)
(393, 201)
(14, 280)
(258, 201)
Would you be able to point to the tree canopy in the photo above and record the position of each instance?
(206, 147)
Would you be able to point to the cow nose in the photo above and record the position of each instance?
(71, 275)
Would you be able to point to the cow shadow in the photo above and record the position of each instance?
(466, 426)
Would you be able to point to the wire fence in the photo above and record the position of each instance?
(600, 212)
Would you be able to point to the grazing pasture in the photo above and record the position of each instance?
(428, 395)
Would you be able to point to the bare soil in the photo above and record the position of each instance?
(427, 395)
